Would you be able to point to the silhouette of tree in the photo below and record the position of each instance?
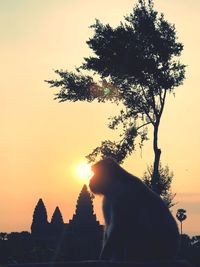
(181, 216)
(22, 236)
(137, 65)
(3, 236)
(195, 240)
(164, 184)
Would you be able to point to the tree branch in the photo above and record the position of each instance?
(150, 104)
(147, 114)
(154, 103)
(160, 97)
(145, 124)
(163, 103)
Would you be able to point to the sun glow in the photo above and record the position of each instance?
(84, 171)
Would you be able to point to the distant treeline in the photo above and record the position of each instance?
(23, 248)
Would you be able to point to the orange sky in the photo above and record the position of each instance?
(42, 141)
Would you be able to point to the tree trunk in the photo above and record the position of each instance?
(181, 228)
(157, 153)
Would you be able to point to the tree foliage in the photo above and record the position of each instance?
(164, 185)
(181, 215)
(135, 64)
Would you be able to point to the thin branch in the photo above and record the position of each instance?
(147, 114)
(148, 102)
(154, 103)
(160, 97)
(144, 94)
(163, 103)
(145, 124)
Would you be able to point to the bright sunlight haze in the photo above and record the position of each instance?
(84, 172)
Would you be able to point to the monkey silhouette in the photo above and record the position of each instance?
(138, 224)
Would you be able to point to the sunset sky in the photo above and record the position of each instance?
(42, 141)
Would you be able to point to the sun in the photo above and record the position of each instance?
(84, 172)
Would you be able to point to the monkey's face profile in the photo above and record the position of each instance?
(104, 173)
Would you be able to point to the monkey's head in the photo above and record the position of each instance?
(106, 173)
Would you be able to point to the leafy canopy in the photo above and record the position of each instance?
(134, 64)
(164, 183)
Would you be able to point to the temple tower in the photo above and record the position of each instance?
(85, 229)
(56, 224)
(39, 227)
(84, 215)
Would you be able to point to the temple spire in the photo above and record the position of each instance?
(84, 213)
(57, 218)
(39, 223)
(84, 204)
(57, 224)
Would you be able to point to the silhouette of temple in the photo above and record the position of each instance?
(81, 238)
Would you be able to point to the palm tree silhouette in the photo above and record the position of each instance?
(181, 216)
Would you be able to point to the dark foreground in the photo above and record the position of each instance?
(103, 264)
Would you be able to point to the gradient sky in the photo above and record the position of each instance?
(42, 141)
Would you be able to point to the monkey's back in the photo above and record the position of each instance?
(149, 227)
